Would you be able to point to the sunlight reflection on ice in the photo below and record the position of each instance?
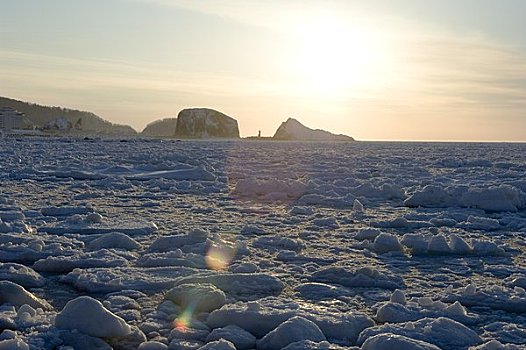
(219, 256)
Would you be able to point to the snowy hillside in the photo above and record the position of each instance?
(260, 245)
(291, 129)
(87, 122)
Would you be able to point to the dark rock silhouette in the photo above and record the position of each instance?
(202, 123)
(291, 129)
(161, 128)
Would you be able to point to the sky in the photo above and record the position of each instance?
(376, 70)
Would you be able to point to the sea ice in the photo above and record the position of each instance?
(14, 294)
(203, 297)
(294, 329)
(365, 277)
(241, 339)
(90, 317)
(441, 332)
(388, 341)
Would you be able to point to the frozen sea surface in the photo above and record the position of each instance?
(148, 244)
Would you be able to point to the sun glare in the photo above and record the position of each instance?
(334, 56)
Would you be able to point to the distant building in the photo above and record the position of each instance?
(60, 123)
(11, 119)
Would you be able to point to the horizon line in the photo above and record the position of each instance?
(246, 136)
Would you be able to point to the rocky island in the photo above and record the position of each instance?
(293, 130)
(202, 123)
(161, 128)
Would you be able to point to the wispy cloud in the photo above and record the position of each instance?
(468, 71)
(436, 74)
(90, 73)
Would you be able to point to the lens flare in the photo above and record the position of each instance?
(184, 320)
(219, 256)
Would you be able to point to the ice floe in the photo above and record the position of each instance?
(261, 245)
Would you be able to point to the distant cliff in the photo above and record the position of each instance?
(161, 128)
(291, 129)
(202, 123)
(42, 116)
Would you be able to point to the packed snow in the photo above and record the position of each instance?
(160, 244)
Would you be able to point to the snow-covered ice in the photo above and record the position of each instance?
(158, 244)
(90, 317)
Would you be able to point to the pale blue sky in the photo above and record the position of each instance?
(378, 69)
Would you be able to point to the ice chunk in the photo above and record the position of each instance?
(442, 332)
(357, 206)
(244, 284)
(94, 217)
(501, 198)
(390, 341)
(459, 245)
(311, 345)
(20, 274)
(494, 297)
(495, 345)
(189, 333)
(367, 233)
(481, 223)
(279, 242)
(202, 297)
(15, 294)
(106, 280)
(386, 242)
(220, 344)
(456, 309)
(85, 227)
(152, 345)
(80, 341)
(90, 317)
(297, 210)
(417, 242)
(244, 268)
(398, 297)
(181, 344)
(13, 344)
(65, 211)
(262, 316)
(487, 248)
(395, 313)
(241, 339)
(425, 307)
(26, 309)
(99, 258)
(320, 291)
(431, 196)
(114, 240)
(470, 289)
(438, 245)
(362, 277)
(169, 243)
(295, 329)
(506, 332)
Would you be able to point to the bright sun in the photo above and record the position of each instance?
(333, 56)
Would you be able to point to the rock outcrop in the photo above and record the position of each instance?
(202, 123)
(292, 129)
(161, 128)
